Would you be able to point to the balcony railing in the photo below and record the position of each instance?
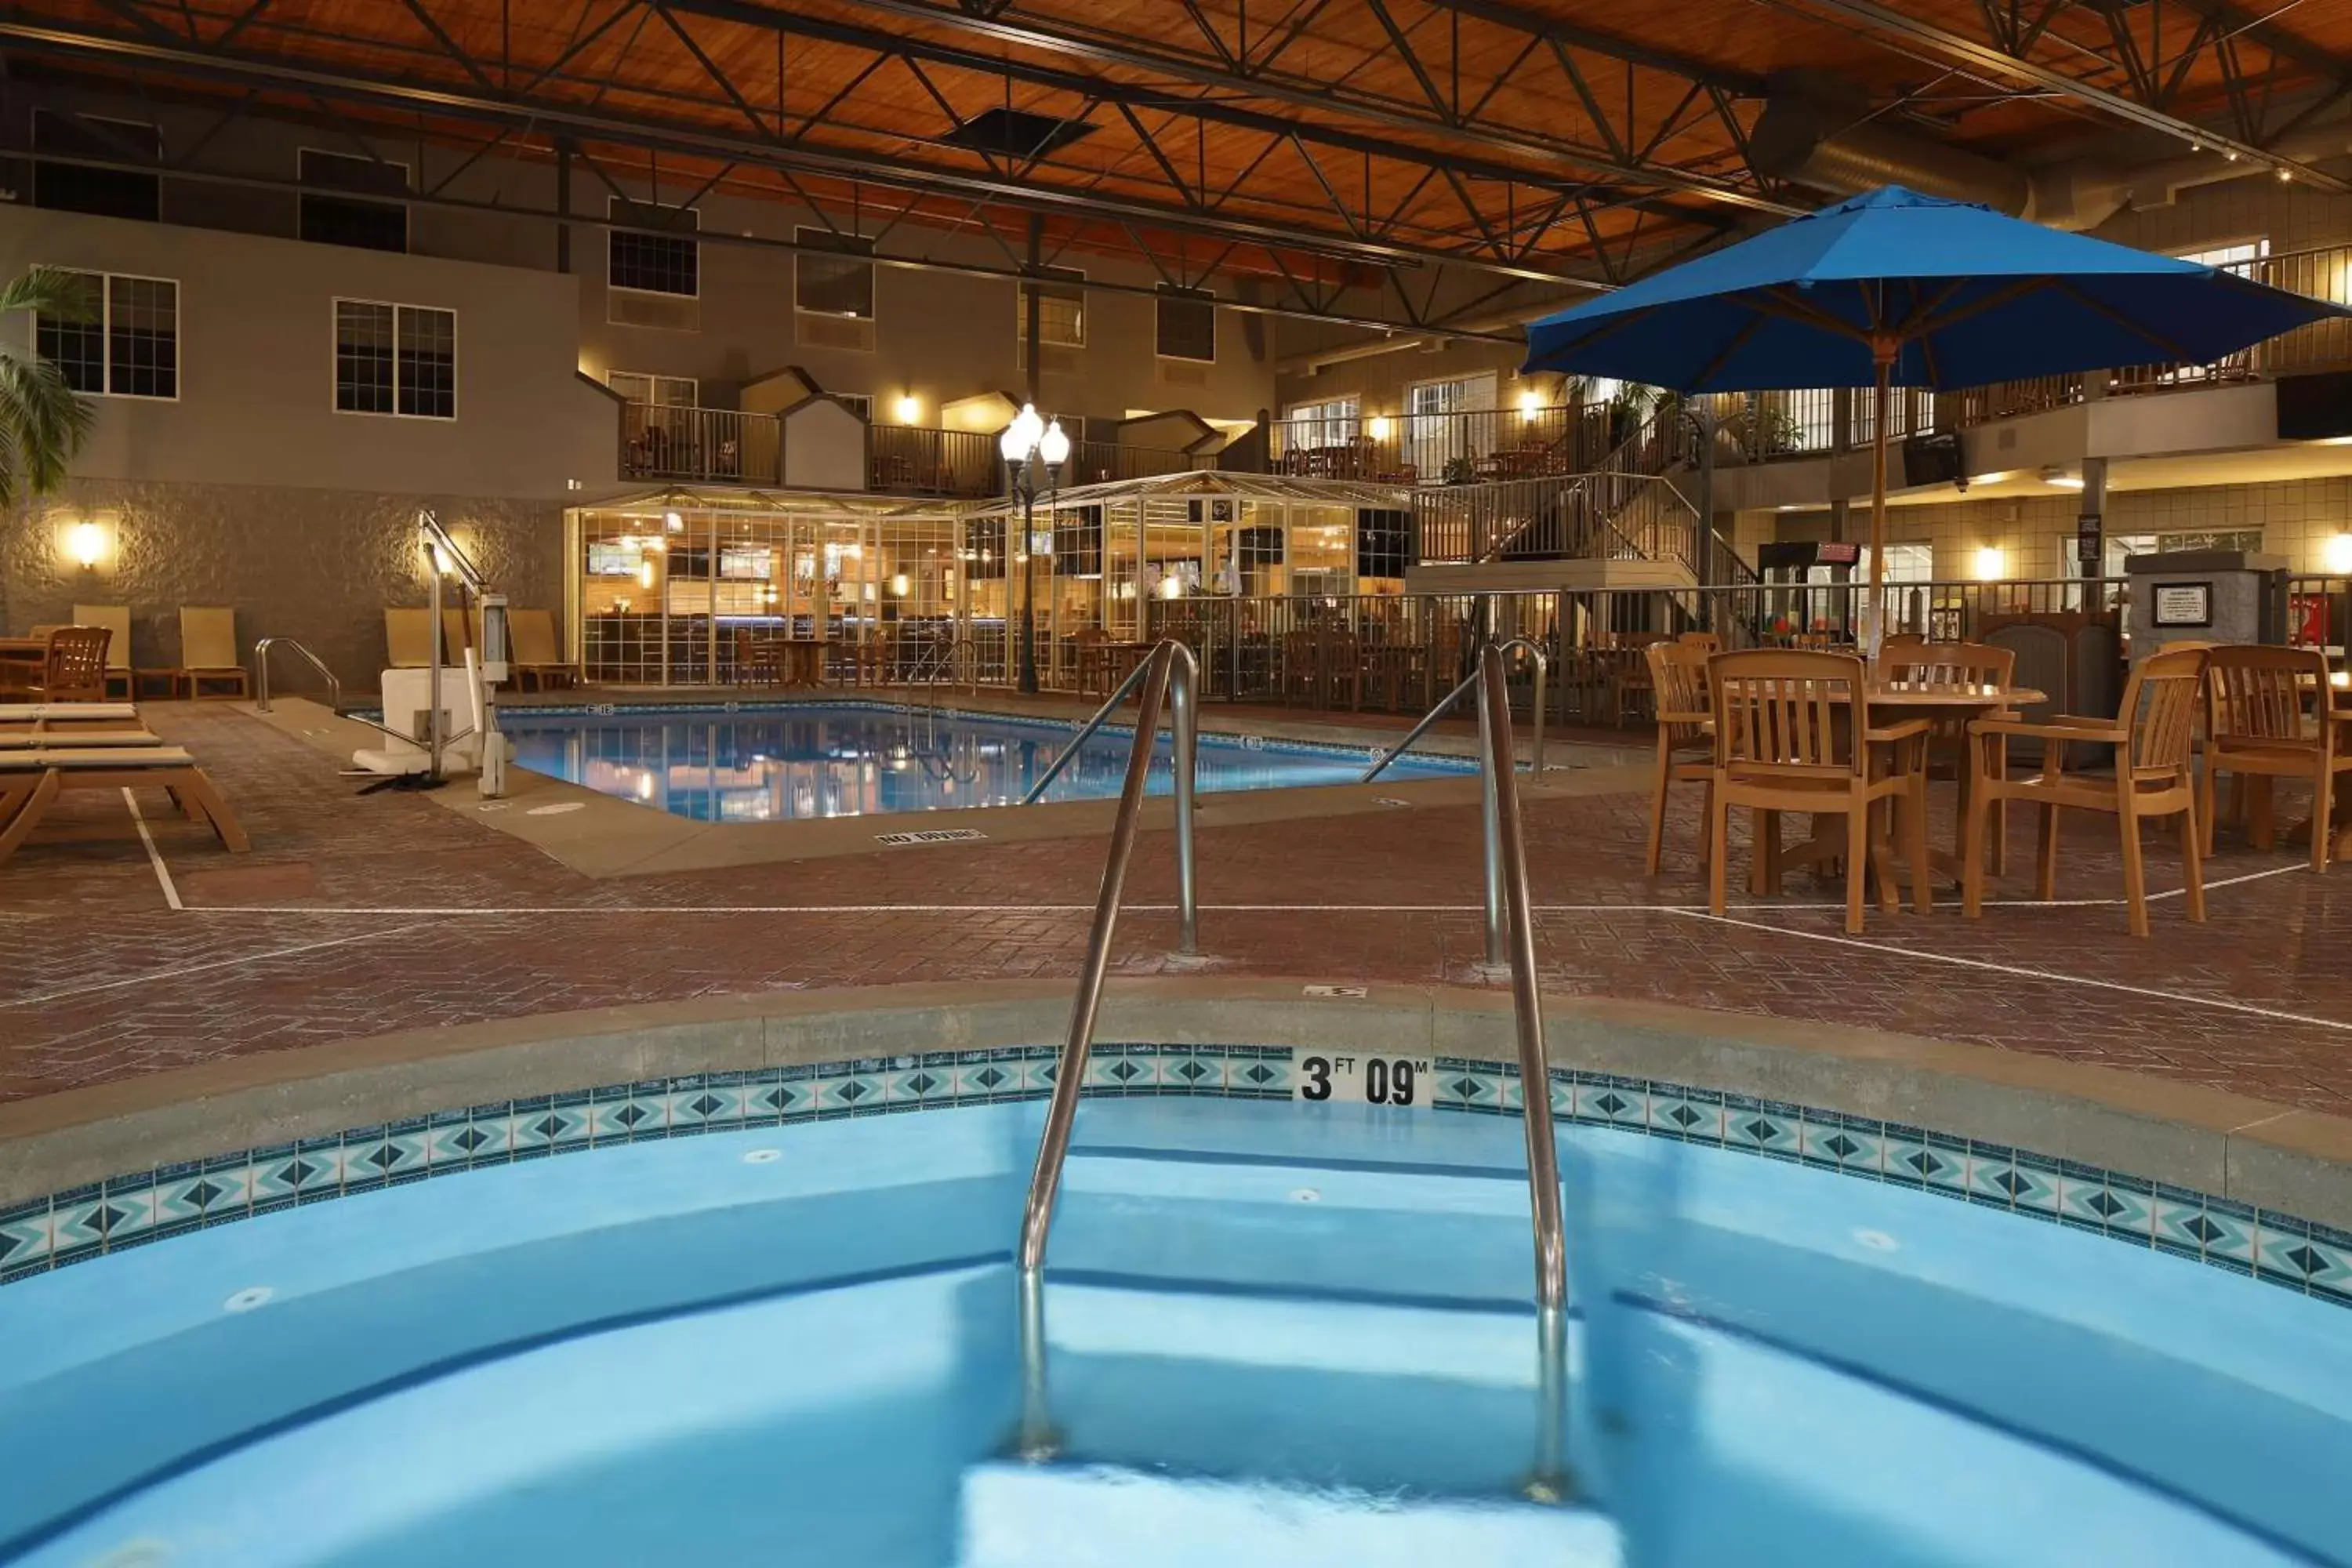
(1606, 516)
(1474, 446)
(721, 445)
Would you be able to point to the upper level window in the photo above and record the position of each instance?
(348, 219)
(119, 336)
(1186, 324)
(1334, 422)
(76, 187)
(858, 403)
(2240, 257)
(663, 256)
(658, 391)
(1061, 312)
(396, 358)
(840, 284)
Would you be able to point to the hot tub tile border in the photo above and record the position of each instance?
(138, 1208)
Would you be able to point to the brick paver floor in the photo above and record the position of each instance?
(353, 916)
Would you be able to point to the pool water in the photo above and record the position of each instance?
(1276, 1334)
(843, 759)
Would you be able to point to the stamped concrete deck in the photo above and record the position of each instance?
(352, 917)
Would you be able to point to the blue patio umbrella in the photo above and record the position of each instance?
(1897, 289)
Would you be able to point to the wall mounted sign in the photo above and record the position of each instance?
(2183, 604)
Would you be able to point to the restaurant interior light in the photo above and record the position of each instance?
(2059, 479)
(1990, 563)
(1172, 587)
(2335, 555)
(674, 522)
(899, 585)
(646, 571)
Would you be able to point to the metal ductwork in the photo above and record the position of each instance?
(1813, 141)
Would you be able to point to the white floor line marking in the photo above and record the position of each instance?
(154, 856)
(2021, 973)
(500, 912)
(240, 960)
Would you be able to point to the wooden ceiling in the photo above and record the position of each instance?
(1309, 144)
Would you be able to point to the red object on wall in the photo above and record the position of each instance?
(2309, 622)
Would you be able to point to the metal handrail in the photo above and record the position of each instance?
(1543, 671)
(941, 665)
(261, 672)
(1160, 671)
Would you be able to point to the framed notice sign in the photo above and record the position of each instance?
(2183, 604)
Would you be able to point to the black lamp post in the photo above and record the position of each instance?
(1026, 443)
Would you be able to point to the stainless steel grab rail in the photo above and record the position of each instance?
(261, 672)
(1160, 671)
(1543, 671)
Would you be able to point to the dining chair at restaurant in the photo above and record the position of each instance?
(1793, 733)
(2257, 729)
(1710, 641)
(2153, 741)
(1686, 747)
(758, 660)
(1920, 663)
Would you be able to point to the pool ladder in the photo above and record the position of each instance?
(1170, 669)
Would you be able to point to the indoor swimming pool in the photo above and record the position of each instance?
(1274, 1332)
(794, 762)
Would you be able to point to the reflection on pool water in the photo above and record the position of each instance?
(847, 759)
(1276, 1334)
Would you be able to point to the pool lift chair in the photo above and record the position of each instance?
(418, 704)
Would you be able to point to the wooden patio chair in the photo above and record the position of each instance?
(121, 681)
(1793, 733)
(408, 638)
(1685, 748)
(1710, 641)
(758, 660)
(209, 651)
(534, 655)
(2152, 740)
(1913, 660)
(2256, 730)
(74, 667)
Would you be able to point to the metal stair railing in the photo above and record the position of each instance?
(261, 672)
(1507, 897)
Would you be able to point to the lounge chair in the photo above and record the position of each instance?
(13, 740)
(122, 680)
(533, 653)
(74, 670)
(208, 652)
(32, 717)
(407, 638)
(30, 780)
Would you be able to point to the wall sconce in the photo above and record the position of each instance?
(1377, 427)
(1990, 563)
(908, 408)
(899, 585)
(89, 544)
(2335, 555)
(1530, 405)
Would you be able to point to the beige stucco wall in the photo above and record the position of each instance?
(256, 401)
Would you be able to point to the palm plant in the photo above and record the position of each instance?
(42, 420)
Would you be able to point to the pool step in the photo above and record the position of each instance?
(1069, 1516)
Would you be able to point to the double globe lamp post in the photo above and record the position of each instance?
(1027, 444)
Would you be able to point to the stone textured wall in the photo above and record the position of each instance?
(317, 566)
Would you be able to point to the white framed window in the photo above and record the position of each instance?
(117, 336)
(835, 275)
(1185, 324)
(1436, 436)
(655, 391)
(662, 257)
(1061, 312)
(368, 210)
(2238, 255)
(400, 359)
(1333, 422)
(860, 404)
(78, 188)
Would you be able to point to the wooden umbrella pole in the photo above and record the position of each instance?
(1874, 628)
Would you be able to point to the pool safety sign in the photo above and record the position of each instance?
(1359, 1079)
(932, 835)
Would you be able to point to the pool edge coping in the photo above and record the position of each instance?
(2248, 1150)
